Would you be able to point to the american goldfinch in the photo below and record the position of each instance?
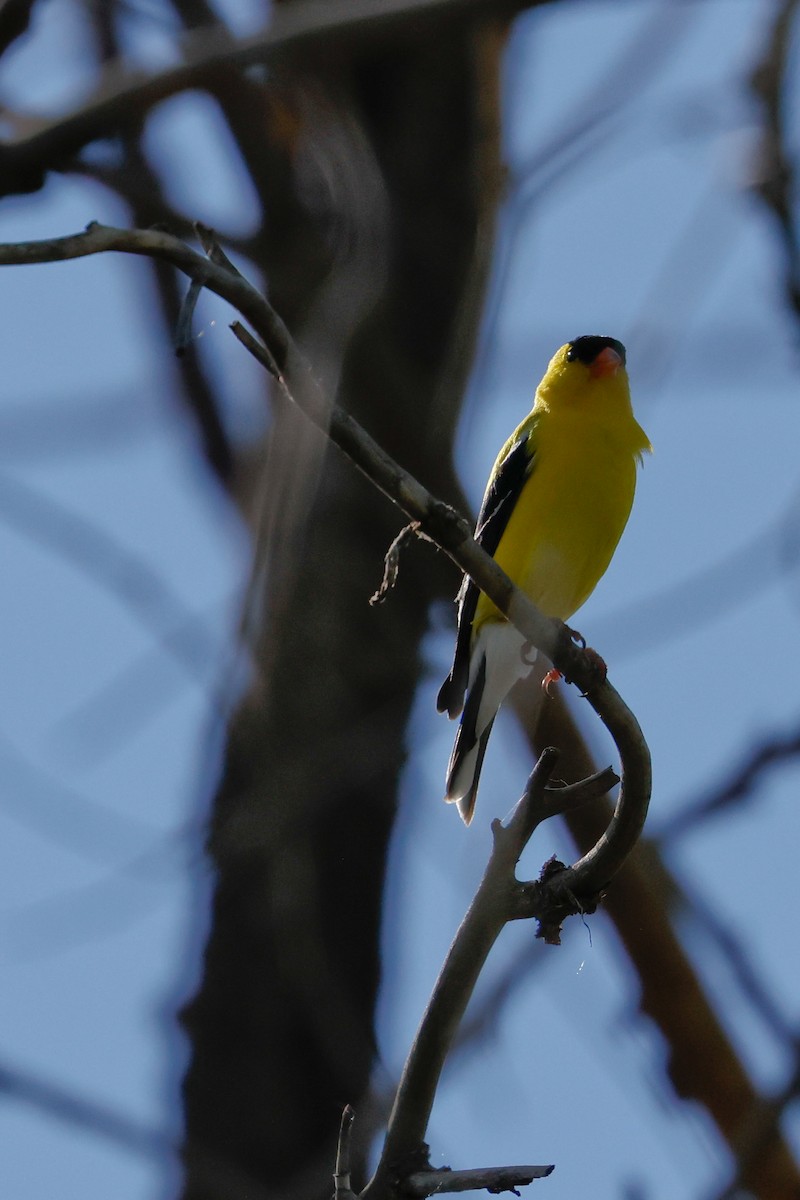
(556, 503)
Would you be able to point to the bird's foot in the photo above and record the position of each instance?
(597, 668)
(550, 678)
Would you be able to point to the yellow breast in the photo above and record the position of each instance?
(570, 514)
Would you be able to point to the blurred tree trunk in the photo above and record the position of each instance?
(378, 169)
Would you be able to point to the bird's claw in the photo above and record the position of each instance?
(597, 669)
(577, 637)
(550, 678)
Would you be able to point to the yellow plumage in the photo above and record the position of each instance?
(556, 504)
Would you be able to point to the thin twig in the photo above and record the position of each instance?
(563, 799)
(127, 577)
(737, 791)
(259, 351)
(183, 331)
(490, 1179)
(93, 1118)
(341, 1174)
(391, 563)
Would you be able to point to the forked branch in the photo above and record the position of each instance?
(500, 898)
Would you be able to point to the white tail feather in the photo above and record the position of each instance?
(502, 646)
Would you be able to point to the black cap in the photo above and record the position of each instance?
(586, 349)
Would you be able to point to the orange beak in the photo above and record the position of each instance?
(608, 362)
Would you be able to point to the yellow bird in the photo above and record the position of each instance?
(557, 501)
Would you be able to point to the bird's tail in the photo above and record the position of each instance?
(466, 759)
(464, 772)
(497, 663)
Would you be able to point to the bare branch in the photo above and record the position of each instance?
(62, 1104)
(183, 331)
(776, 184)
(500, 898)
(563, 799)
(577, 886)
(760, 1133)
(725, 937)
(737, 791)
(494, 904)
(492, 1179)
(702, 1063)
(124, 95)
(341, 1174)
(391, 563)
(126, 576)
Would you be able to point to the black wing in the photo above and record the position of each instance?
(498, 505)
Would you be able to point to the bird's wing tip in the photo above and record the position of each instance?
(450, 699)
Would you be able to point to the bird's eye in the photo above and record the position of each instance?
(571, 353)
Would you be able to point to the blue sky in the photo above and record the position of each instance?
(649, 232)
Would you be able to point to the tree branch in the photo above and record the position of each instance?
(776, 182)
(490, 1179)
(495, 903)
(341, 1174)
(735, 792)
(123, 95)
(15, 17)
(572, 889)
(500, 898)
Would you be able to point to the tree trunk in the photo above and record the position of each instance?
(380, 192)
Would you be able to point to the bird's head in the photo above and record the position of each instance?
(588, 370)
